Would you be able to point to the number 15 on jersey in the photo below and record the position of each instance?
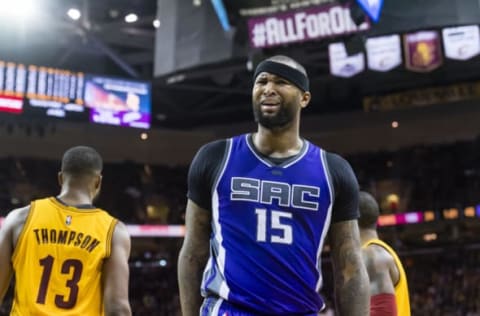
(280, 233)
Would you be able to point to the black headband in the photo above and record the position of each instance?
(284, 71)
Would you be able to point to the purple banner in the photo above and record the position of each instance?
(310, 24)
(124, 118)
(423, 51)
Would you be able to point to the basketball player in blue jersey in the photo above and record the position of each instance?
(260, 207)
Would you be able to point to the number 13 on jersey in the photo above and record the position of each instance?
(282, 232)
(70, 267)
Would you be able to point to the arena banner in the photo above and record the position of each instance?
(423, 51)
(461, 42)
(313, 23)
(341, 64)
(423, 97)
(383, 52)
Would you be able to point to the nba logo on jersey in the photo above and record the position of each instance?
(68, 220)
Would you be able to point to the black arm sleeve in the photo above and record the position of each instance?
(203, 172)
(345, 187)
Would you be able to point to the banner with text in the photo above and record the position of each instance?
(313, 23)
(384, 52)
(423, 97)
(461, 42)
(341, 64)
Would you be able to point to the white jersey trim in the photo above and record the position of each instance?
(224, 290)
(301, 154)
(216, 307)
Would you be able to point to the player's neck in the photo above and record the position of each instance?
(367, 234)
(277, 144)
(75, 197)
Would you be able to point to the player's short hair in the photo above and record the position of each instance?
(289, 62)
(81, 161)
(369, 210)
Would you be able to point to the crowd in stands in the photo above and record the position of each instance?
(429, 177)
(442, 282)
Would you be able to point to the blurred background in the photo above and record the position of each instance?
(396, 91)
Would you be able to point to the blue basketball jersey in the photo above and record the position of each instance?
(269, 223)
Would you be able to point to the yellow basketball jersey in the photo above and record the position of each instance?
(58, 260)
(401, 288)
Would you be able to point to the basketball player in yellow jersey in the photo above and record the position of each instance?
(68, 257)
(388, 281)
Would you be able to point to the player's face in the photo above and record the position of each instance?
(276, 101)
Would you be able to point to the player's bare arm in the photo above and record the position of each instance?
(351, 279)
(193, 258)
(379, 265)
(116, 274)
(9, 232)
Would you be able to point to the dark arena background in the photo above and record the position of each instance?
(396, 91)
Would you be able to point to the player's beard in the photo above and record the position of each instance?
(282, 118)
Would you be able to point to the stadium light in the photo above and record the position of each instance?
(131, 18)
(17, 9)
(74, 14)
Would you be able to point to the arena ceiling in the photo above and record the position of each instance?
(102, 42)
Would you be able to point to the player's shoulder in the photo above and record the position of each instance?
(121, 233)
(215, 145)
(18, 215)
(337, 164)
(121, 227)
(378, 255)
(330, 155)
(212, 151)
(16, 218)
(335, 158)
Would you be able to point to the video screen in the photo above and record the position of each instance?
(118, 101)
(54, 92)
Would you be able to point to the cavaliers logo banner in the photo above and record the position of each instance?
(462, 42)
(423, 51)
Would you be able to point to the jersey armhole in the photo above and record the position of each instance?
(223, 165)
(379, 244)
(22, 234)
(111, 229)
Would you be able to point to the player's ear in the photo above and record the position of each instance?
(60, 178)
(98, 182)
(305, 99)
